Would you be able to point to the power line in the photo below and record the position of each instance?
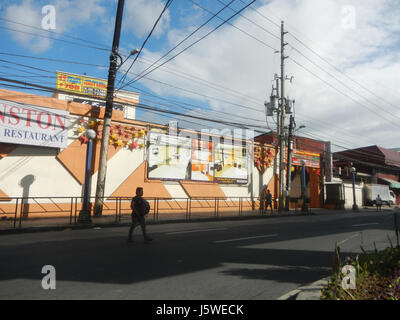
(151, 108)
(167, 4)
(52, 59)
(55, 39)
(341, 92)
(237, 28)
(252, 22)
(197, 41)
(343, 83)
(177, 45)
(103, 46)
(330, 64)
(43, 70)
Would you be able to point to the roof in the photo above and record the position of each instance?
(301, 143)
(392, 158)
(393, 184)
(371, 155)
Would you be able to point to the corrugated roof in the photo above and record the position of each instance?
(392, 158)
(373, 155)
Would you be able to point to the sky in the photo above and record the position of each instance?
(343, 57)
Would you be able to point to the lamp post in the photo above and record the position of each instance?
(353, 176)
(303, 186)
(84, 214)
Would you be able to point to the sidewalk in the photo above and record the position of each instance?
(62, 223)
(308, 292)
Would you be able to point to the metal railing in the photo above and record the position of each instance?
(31, 211)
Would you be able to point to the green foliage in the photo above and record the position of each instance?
(377, 277)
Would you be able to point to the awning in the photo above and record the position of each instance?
(393, 184)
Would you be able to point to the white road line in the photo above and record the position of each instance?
(365, 224)
(239, 239)
(197, 230)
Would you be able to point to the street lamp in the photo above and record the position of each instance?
(303, 186)
(84, 214)
(353, 175)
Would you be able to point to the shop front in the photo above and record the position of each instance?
(313, 178)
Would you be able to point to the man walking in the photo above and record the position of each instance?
(140, 207)
(268, 200)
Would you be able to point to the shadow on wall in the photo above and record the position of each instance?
(26, 183)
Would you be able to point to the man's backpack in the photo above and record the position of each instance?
(146, 207)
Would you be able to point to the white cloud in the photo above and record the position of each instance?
(28, 14)
(366, 53)
(140, 16)
(69, 14)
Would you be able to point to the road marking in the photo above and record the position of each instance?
(247, 238)
(365, 224)
(349, 238)
(197, 230)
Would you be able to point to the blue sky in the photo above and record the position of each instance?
(343, 55)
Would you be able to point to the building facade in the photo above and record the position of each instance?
(373, 164)
(43, 149)
(315, 154)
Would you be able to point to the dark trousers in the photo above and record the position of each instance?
(268, 204)
(138, 220)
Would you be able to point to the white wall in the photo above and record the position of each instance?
(50, 176)
(348, 194)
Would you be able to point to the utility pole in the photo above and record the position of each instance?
(276, 189)
(112, 71)
(282, 148)
(289, 162)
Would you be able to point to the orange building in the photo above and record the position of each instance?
(315, 153)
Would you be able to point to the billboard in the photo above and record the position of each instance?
(202, 161)
(172, 157)
(81, 84)
(311, 159)
(230, 163)
(169, 157)
(33, 125)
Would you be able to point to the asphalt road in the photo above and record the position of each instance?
(246, 259)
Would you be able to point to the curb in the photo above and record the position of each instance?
(64, 227)
(308, 292)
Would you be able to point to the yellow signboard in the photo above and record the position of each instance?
(310, 159)
(81, 84)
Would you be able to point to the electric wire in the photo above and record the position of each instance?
(177, 45)
(191, 45)
(147, 107)
(166, 6)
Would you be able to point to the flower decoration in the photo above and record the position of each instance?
(120, 135)
(263, 157)
(133, 145)
(83, 138)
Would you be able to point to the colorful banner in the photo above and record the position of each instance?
(81, 84)
(311, 159)
(182, 158)
(169, 157)
(33, 125)
(202, 161)
(230, 164)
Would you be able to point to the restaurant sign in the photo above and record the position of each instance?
(33, 125)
